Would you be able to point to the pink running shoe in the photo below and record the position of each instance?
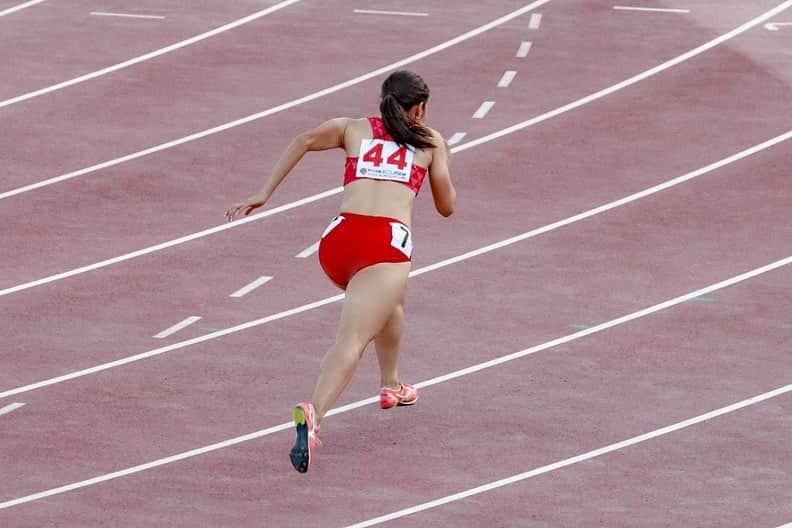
(406, 395)
(307, 437)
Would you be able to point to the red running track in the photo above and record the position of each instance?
(636, 377)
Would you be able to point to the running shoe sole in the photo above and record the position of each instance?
(301, 452)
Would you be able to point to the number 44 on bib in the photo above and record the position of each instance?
(385, 160)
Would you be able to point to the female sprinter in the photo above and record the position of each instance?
(366, 249)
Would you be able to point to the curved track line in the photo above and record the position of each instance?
(276, 109)
(360, 403)
(575, 459)
(150, 55)
(420, 271)
(458, 148)
(20, 7)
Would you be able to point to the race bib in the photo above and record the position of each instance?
(381, 159)
(401, 238)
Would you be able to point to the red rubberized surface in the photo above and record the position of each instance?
(669, 366)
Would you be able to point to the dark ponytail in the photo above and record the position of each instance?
(400, 92)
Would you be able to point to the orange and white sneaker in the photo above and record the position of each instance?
(307, 437)
(405, 395)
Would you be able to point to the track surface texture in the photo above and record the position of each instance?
(617, 353)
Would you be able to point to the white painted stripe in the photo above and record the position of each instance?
(310, 250)
(276, 109)
(482, 111)
(773, 26)
(125, 15)
(575, 459)
(414, 273)
(433, 381)
(506, 80)
(20, 7)
(788, 525)
(241, 292)
(9, 408)
(397, 13)
(523, 50)
(535, 22)
(178, 326)
(491, 137)
(651, 9)
(456, 138)
(156, 53)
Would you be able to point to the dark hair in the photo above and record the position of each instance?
(401, 91)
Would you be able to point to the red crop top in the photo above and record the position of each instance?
(384, 160)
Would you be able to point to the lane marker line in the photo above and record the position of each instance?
(523, 50)
(490, 137)
(482, 111)
(578, 458)
(125, 15)
(506, 80)
(13, 407)
(307, 252)
(156, 53)
(651, 9)
(20, 7)
(775, 25)
(536, 20)
(367, 401)
(241, 292)
(285, 106)
(397, 13)
(456, 138)
(178, 326)
(432, 267)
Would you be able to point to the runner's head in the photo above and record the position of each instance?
(403, 106)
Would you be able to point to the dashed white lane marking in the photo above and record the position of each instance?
(482, 111)
(456, 138)
(20, 7)
(773, 26)
(244, 290)
(508, 77)
(523, 50)
(395, 13)
(307, 252)
(337, 190)
(150, 55)
(8, 408)
(651, 9)
(443, 263)
(535, 21)
(178, 326)
(459, 373)
(126, 15)
(275, 109)
(575, 459)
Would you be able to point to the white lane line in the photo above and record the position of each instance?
(126, 15)
(506, 80)
(307, 252)
(285, 106)
(575, 459)
(788, 525)
(773, 26)
(456, 138)
(142, 58)
(483, 110)
(13, 407)
(396, 13)
(523, 50)
(244, 290)
(535, 22)
(178, 326)
(432, 267)
(651, 9)
(367, 401)
(20, 7)
(471, 144)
